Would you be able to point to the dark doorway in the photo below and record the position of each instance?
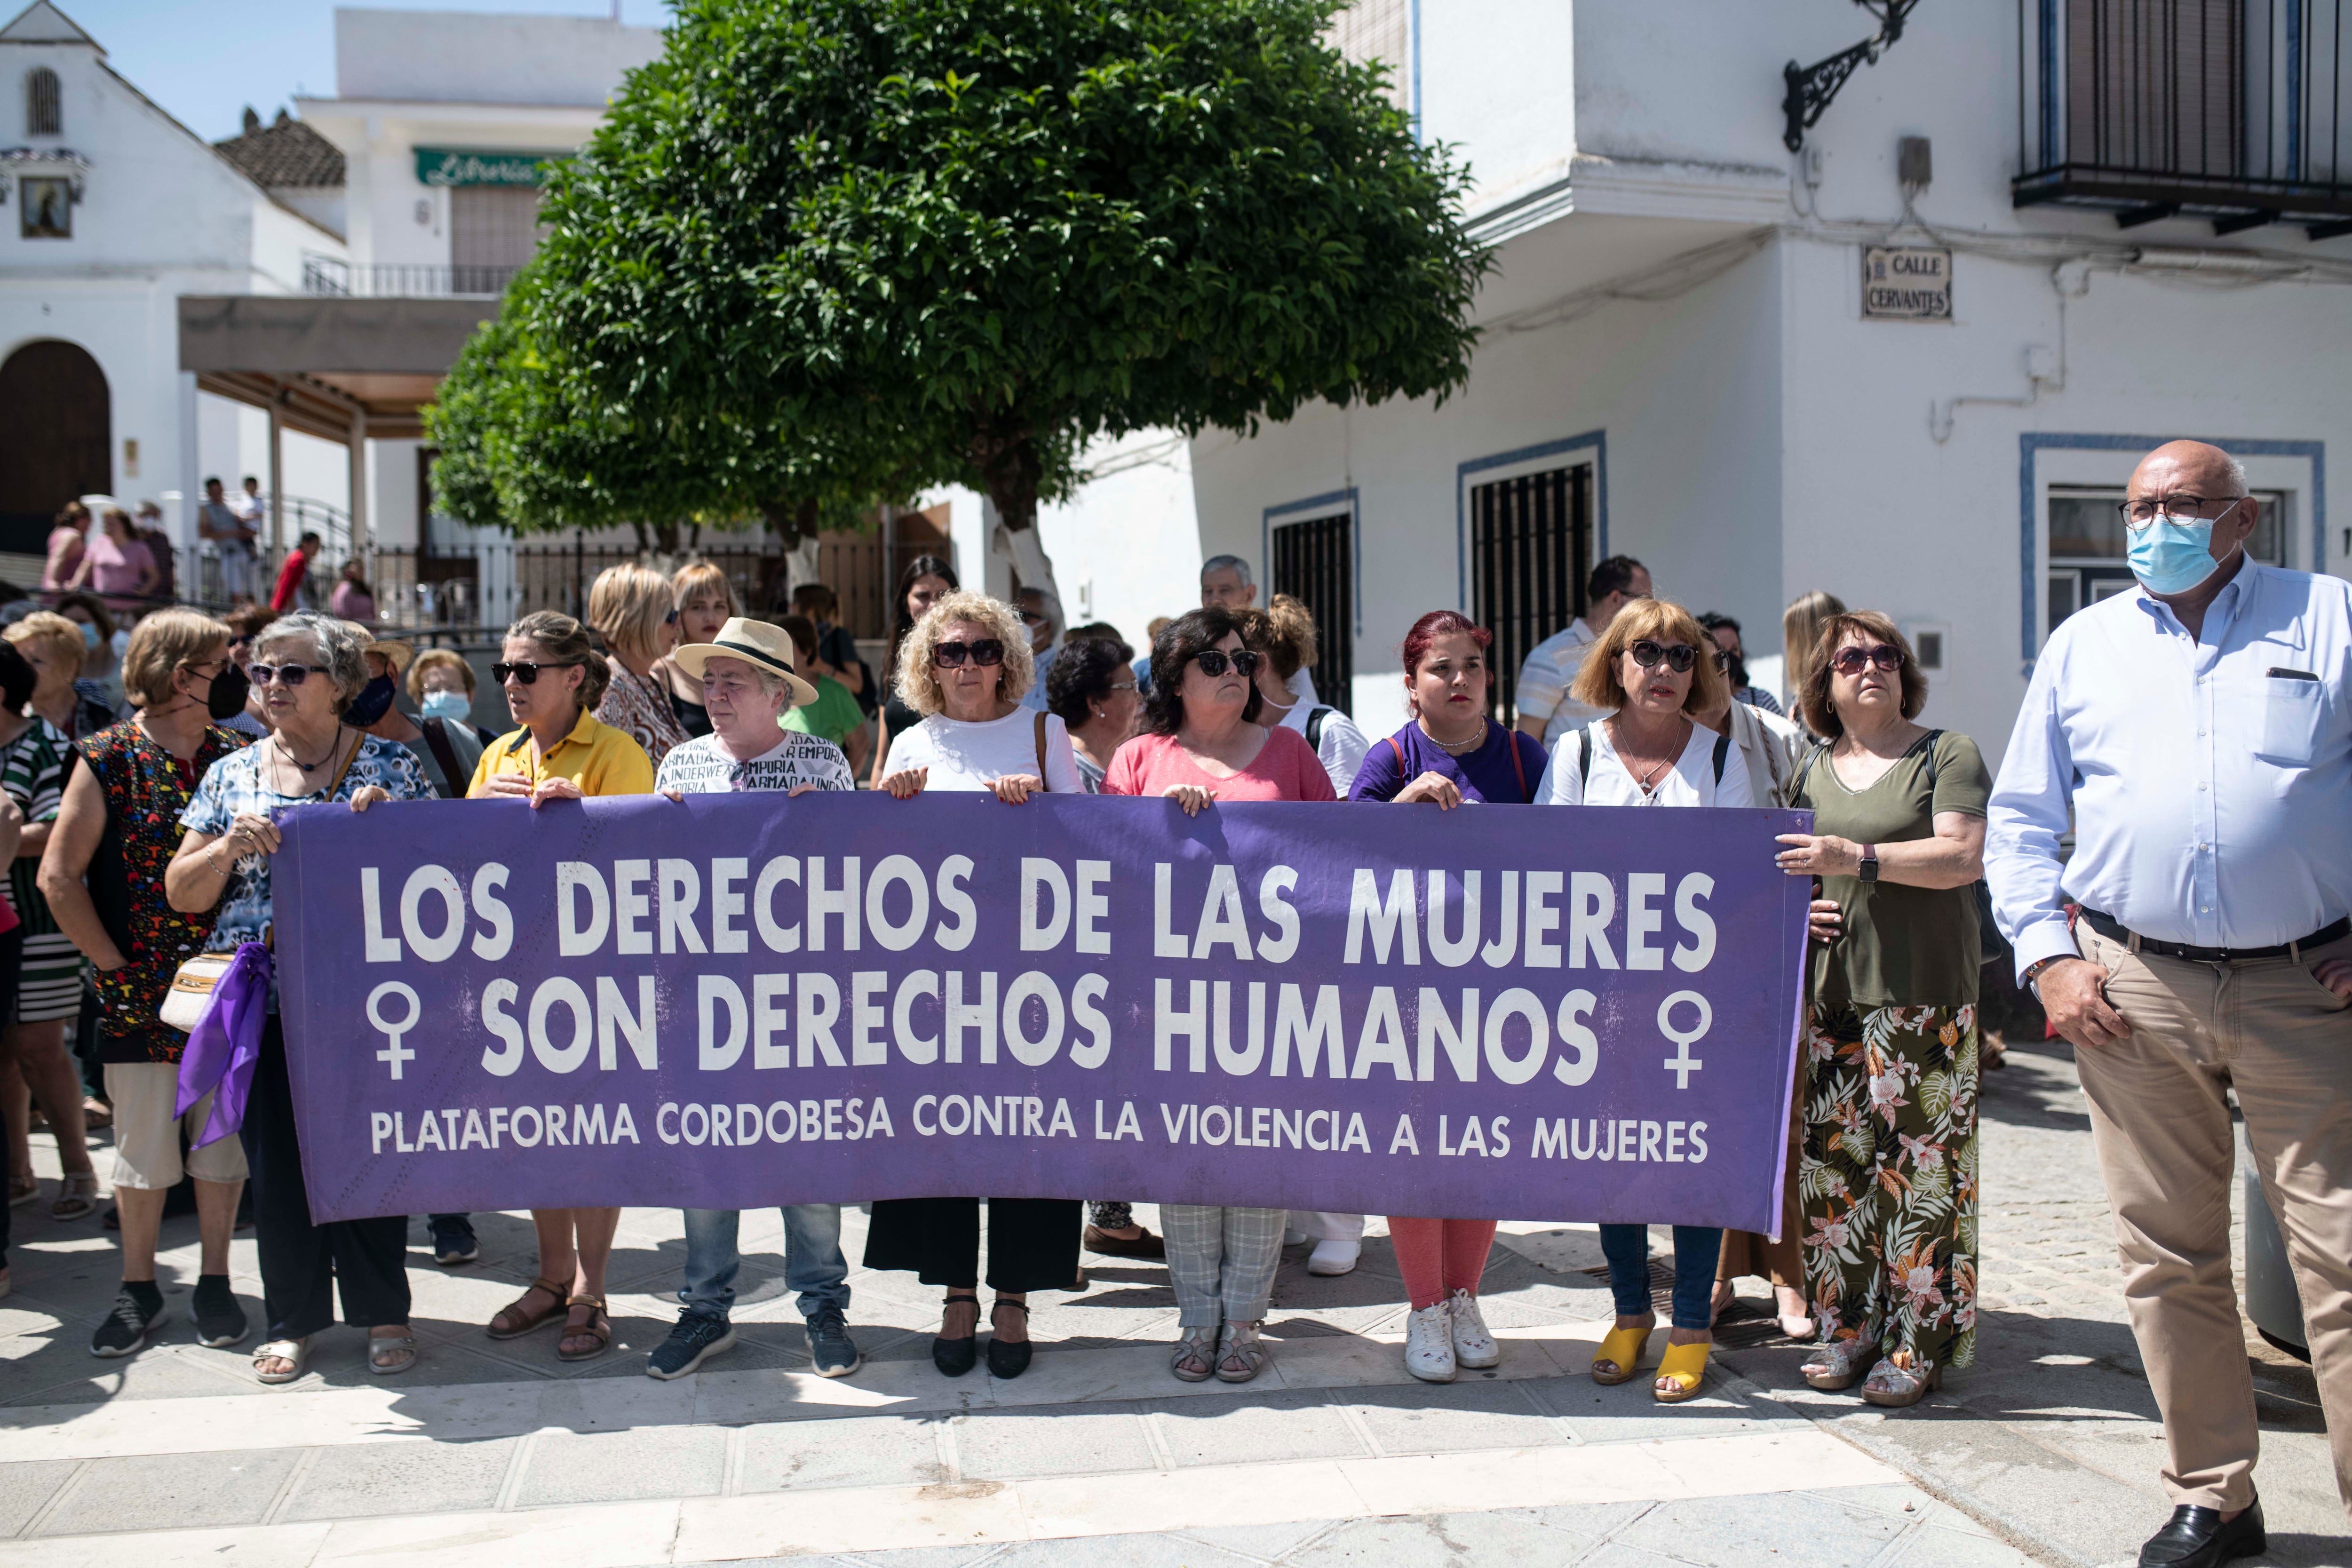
(1530, 550)
(1314, 561)
(55, 429)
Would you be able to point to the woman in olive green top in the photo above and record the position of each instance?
(1889, 1169)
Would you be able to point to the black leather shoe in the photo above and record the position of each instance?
(1006, 1359)
(2198, 1538)
(955, 1357)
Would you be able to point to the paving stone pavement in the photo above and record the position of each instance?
(497, 1454)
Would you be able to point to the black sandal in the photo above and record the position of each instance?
(955, 1357)
(1006, 1359)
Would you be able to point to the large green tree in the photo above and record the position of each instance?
(981, 232)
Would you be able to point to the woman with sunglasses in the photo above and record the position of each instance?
(964, 666)
(926, 581)
(307, 666)
(553, 678)
(634, 610)
(1890, 1155)
(1202, 743)
(1646, 674)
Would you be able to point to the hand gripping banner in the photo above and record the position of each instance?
(734, 1001)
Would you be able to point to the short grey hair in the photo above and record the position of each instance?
(1234, 563)
(2238, 475)
(342, 648)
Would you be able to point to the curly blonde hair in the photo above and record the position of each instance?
(919, 688)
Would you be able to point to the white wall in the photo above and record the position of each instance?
(467, 56)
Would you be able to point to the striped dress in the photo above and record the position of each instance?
(33, 771)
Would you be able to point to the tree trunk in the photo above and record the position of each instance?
(1005, 453)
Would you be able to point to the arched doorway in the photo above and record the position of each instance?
(56, 431)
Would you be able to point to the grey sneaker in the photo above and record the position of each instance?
(697, 1337)
(830, 1346)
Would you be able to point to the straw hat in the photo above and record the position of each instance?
(756, 643)
(399, 654)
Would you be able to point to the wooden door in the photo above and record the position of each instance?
(56, 426)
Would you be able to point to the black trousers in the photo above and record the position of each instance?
(301, 1263)
(1033, 1242)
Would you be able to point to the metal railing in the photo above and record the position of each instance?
(206, 578)
(2228, 109)
(327, 275)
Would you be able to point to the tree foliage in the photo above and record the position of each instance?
(935, 239)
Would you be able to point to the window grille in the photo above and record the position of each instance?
(1530, 551)
(44, 108)
(1378, 32)
(1314, 561)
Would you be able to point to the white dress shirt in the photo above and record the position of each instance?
(2209, 780)
(1545, 676)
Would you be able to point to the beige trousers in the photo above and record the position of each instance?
(2165, 1144)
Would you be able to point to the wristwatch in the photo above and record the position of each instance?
(2032, 979)
(1868, 869)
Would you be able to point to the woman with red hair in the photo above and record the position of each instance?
(1452, 750)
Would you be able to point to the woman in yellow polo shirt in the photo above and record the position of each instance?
(553, 678)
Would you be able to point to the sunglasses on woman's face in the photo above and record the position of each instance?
(1849, 659)
(285, 674)
(1215, 659)
(525, 672)
(986, 652)
(1678, 656)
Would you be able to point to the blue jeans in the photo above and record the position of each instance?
(1697, 1249)
(813, 1265)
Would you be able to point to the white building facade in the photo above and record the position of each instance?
(109, 211)
(1682, 359)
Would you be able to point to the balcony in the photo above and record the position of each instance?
(327, 277)
(2226, 110)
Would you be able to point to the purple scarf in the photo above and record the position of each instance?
(227, 1042)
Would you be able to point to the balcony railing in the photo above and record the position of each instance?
(2229, 110)
(326, 275)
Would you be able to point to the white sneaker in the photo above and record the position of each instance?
(1429, 1344)
(1474, 1347)
(1333, 1255)
(1293, 1238)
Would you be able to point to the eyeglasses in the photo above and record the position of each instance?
(670, 619)
(527, 672)
(2139, 514)
(1678, 657)
(986, 652)
(1215, 659)
(1032, 617)
(1849, 659)
(284, 674)
(1122, 685)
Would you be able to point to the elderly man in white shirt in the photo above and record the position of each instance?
(2200, 735)
(1544, 708)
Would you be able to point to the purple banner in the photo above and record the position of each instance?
(737, 1000)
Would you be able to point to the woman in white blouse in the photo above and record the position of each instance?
(1652, 673)
(964, 668)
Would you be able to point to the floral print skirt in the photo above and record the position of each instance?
(1889, 1179)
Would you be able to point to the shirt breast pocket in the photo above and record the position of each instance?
(2293, 708)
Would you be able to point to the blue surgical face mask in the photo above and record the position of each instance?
(88, 635)
(450, 707)
(2173, 555)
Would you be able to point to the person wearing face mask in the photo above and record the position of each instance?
(447, 752)
(102, 874)
(85, 702)
(2197, 738)
(441, 683)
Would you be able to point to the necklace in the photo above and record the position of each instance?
(1451, 749)
(278, 739)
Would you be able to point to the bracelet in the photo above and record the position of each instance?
(2031, 978)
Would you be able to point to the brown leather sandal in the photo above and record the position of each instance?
(598, 1327)
(515, 1319)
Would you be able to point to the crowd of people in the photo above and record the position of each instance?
(2176, 973)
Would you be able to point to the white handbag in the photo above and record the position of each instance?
(191, 990)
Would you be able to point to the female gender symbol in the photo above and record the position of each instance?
(392, 1054)
(1682, 1064)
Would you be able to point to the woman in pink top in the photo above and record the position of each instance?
(69, 538)
(1201, 744)
(117, 565)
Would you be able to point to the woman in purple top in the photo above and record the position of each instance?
(1451, 751)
